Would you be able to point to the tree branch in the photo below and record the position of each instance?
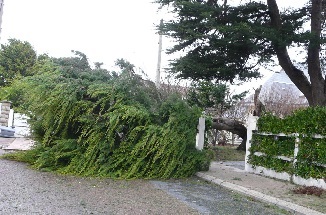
(231, 125)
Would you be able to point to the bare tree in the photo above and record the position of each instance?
(282, 101)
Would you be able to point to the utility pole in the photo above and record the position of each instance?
(158, 70)
(1, 12)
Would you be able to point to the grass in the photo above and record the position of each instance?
(227, 153)
(21, 156)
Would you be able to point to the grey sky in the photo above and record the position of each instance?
(104, 30)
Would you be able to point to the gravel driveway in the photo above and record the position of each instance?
(24, 191)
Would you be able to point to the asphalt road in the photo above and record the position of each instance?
(24, 191)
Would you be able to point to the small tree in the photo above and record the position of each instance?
(282, 101)
(16, 60)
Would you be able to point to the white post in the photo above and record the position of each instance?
(251, 125)
(296, 150)
(11, 118)
(200, 138)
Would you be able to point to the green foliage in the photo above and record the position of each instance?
(307, 170)
(308, 121)
(206, 94)
(312, 153)
(162, 151)
(23, 156)
(305, 123)
(270, 123)
(97, 123)
(219, 38)
(16, 60)
(273, 145)
(231, 40)
(273, 163)
(78, 63)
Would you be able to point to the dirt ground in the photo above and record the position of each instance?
(27, 191)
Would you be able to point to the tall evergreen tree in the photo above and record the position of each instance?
(230, 43)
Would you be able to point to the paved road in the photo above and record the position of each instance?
(24, 191)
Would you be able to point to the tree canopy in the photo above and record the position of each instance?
(215, 99)
(16, 60)
(231, 43)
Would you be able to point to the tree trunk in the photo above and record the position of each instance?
(315, 90)
(318, 90)
(233, 126)
(258, 104)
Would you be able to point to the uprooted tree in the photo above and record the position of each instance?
(99, 123)
(217, 101)
(230, 42)
(233, 126)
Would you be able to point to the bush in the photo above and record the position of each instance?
(91, 122)
(305, 123)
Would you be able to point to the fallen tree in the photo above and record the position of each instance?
(233, 126)
(92, 122)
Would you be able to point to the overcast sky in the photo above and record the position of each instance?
(102, 29)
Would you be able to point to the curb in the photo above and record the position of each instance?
(260, 196)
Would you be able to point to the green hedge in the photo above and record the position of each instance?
(307, 121)
(312, 151)
(273, 163)
(303, 123)
(273, 145)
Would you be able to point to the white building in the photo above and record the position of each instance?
(278, 95)
(279, 88)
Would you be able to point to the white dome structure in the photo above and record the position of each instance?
(279, 87)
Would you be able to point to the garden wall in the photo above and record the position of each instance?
(294, 157)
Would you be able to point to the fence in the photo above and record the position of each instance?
(284, 175)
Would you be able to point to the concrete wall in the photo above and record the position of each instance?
(21, 126)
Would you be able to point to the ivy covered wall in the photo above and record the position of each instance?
(276, 139)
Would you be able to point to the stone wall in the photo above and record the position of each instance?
(4, 113)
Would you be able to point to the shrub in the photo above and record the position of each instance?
(305, 123)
